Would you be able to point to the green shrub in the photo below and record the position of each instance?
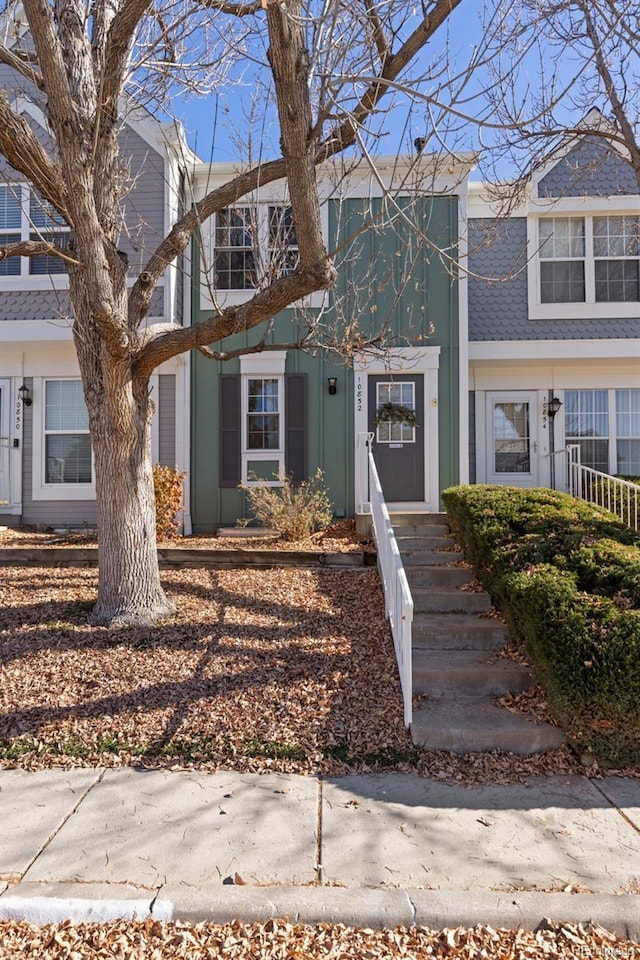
(567, 576)
(295, 512)
(168, 485)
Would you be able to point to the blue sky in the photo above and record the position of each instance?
(202, 117)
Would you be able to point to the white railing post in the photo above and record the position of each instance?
(363, 443)
(397, 596)
(620, 497)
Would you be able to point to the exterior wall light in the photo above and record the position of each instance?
(25, 395)
(553, 406)
(332, 385)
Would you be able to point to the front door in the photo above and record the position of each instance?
(4, 443)
(512, 435)
(396, 419)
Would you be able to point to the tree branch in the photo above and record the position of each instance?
(342, 136)
(621, 115)
(237, 319)
(11, 59)
(119, 39)
(24, 152)
(35, 248)
(234, 9)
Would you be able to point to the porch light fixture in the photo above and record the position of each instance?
(332, 383)
(553, 406)
(25, 395)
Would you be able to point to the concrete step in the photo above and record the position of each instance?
(466, 673)
(424, 530)
(438, 576)
(452, 600)
(467, 725)
(413, 544)
(426, 558)
(450, 631)
(407, 519)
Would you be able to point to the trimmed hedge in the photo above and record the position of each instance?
(567, 577)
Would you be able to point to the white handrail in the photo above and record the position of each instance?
(397, 595)
(620, 497)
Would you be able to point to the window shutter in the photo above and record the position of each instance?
(229, 430)
(295, 451)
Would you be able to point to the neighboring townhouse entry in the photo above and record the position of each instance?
(396, 419)
(512, 455)
(4, 442)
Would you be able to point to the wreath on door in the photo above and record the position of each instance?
(395, 413)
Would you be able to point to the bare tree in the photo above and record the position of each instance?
(328, 68)
(559, 60)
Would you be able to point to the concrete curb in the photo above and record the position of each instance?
(183, 557)
(361, 907)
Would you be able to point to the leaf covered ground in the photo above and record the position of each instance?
(281, 940)
(289, 670)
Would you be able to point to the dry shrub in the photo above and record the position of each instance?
(295, 512)
(167, 482)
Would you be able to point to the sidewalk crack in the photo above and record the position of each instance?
(615, 806)
(412, 907)
(64, 820)
(319, 870)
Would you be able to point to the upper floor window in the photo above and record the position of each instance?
(594, 259)
(26, 215)
(252, 245)
(235, 245)
(10, 229)
(283, 243)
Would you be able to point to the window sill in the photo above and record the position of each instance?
(584, 311)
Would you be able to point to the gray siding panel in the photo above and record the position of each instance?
(35, 305)
(592, 169)
(144, 206)
(497, 250)
(167, 420)
(498, 308)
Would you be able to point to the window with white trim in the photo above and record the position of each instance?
(26, 215)
(283, 242)
(67, 444)
(10, 229)
(587, 425)
(263, 416)
(253, 244)
(606, 426)
(263, 413)
(235, 245)
(589, 259)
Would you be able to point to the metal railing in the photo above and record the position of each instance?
(397, 596)
(618, 496)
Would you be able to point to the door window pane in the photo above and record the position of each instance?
(391, 429)
(512, 438)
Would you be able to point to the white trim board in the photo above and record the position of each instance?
(559, 350)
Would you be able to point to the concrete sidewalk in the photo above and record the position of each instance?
(366, 850)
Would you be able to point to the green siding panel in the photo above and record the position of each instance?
(390, 283)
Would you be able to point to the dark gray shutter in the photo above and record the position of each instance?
(295, 411)
(229, 430)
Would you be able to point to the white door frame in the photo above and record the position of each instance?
(411, 361)
(6, 443)
(539, 436)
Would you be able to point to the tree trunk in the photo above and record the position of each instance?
(120, 411)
